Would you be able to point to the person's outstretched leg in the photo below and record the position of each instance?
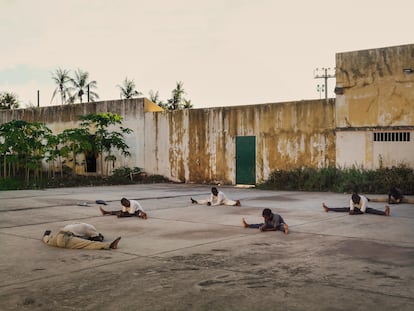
(246, 225)
(108, 213)
(374, 211)
(335, 209)
(285, 228)
(114, 244)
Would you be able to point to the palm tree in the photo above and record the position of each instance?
(128, 89)
(61, 78)
(155, 98)
(82, 86)
(9, 100)
(177, 96)
(187, 104)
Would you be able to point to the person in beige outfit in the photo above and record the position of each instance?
(78, 236)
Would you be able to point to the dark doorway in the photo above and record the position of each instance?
(90, 159)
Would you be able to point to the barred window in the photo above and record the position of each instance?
(392, 136)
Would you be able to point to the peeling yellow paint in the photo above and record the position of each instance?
(377, 92)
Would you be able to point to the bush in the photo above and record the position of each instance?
(342, 180)
(121, 176)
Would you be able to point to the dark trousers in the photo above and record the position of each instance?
(279, 227)
(125, 214)
(357, 211)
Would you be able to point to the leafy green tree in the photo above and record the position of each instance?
(82, 86)
(53, 154)
(23, 148)
(9, 100)
(128, 89)
(62, 79)
(74, 141)
(104, 141)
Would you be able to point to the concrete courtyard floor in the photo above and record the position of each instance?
(192, 257)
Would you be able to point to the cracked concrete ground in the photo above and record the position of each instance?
(192, 257)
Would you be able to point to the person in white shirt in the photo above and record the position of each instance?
(84, 231)
(130, 208)
(78, 236)
(358, 205)
(217, 198)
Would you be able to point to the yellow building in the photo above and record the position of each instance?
(375, 107)
(370, 124)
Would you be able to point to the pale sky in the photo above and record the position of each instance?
(226, 52)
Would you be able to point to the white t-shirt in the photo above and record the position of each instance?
(133, 207)
(219, 199)
(81, 229)
(363, 204)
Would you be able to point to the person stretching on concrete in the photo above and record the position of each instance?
(217, 198)
(357, 205)
(130, 208)
(395, 196)
(272, 222)
(78, 236)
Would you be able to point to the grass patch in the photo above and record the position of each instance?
(122, 176)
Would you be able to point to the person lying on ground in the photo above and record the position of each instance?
(217, 198)
(130, 208)
(272, 222)
(78, 236)
(395, 196)
(357, 205)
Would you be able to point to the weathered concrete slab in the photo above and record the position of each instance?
(192, 257)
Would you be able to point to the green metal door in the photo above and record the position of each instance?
(246, 160)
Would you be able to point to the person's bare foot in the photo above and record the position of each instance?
(286, 227)
(325, 207)
(103, 211)
(387, 210)
(193, 201)
(114, 244)
(245, 224)
(144, 215)
(237, 203)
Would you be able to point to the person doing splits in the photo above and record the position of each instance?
(357, 205)
(78, 236)
(395, 196)
(130, 208)
(217, 198)
(272, 222)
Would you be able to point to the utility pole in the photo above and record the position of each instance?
(324, 73)
(320, 88)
